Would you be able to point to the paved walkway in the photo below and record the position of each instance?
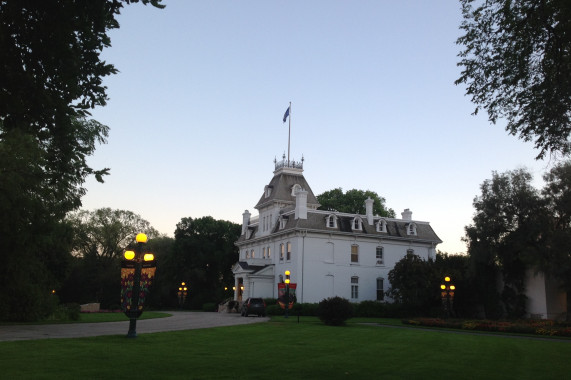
(178, 321)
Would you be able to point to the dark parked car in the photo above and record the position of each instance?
(254, 306)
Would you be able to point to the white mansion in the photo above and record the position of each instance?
(328, 253)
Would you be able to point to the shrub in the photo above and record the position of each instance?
(270, 301)
(274, 310)
(210, 306)
(306, 309)
(370, 309)
(334, 311)
(66, 312)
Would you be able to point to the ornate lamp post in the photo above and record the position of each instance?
(287, 273)
(182, 292)
(137, 273)
(447, 293)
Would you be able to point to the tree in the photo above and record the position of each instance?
(51, 75)
(505, 239)
(517, 65)
(353, 201)
(100, 238)
(414, 284)
(106, 233)
(204, 253)
(557, 251)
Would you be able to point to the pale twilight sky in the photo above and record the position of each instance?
(196, 110)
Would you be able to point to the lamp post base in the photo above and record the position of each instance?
(132, 333)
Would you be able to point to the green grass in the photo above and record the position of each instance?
(116, 317)
(286, 349)
(93, 318)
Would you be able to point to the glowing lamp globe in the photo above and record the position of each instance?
(442, 287)
(129, 255)
(447, 279)
(141, 238)
(149, 257)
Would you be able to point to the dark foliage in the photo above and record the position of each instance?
(335, 311)
(517, 66)
(353, 202)
(202, 256)
(50, 77)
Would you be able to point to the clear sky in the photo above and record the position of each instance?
(196, 109)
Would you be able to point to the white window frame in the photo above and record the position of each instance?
(295, 188)
(411, 229)
(288, 251)
(354, 288)
(354, 247)
(331, 221)
(282, 252)
(380, 296)
(380, 255)
(357, 224)
(382, 226)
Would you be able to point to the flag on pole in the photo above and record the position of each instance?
(286, 114)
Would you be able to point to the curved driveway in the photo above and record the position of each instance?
(178, 321)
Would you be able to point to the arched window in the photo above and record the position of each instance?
(357, 224)
(295, 188)
(331, 221)
(382, 225)
(411, 229)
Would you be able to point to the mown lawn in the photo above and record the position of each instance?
(93, 318)
(284, 349)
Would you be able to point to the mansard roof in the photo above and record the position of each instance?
(316, 222)
(281, 189)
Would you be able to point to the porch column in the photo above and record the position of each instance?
(236, 288)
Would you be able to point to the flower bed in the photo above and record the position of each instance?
(524, 326)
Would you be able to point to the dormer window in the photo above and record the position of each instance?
(356, 224)
(267, 191)
(382, 225)
(295, 188)
(331, 221)
(283, 222)
(411, 229)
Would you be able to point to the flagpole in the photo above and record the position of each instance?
(289, 134)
